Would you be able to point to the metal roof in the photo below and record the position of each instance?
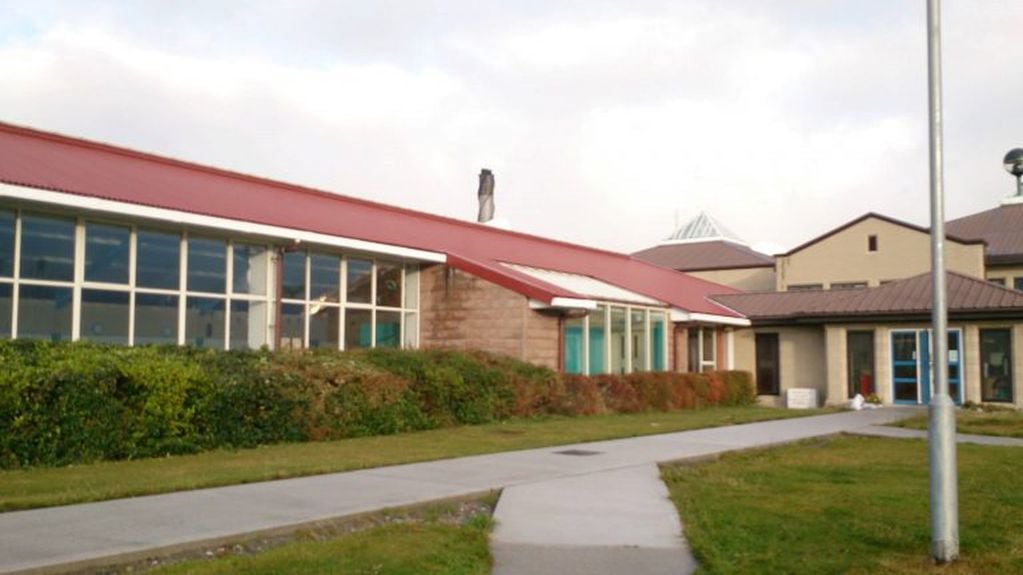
(702, 256)
(48, 161)
(586, 286)
(1000, 228)
(911, 296)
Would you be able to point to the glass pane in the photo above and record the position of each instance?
(573, 339)
(106, 253)
(996, 365)
(598, 338)
(617, 340)
(44, 313)
(248, 324)
(658, 333)
(204, 322)
(207, 265)
(907, 371)
(248, 269)
(708, 334)
(7, 244)
(904, 346)
(158, 260)
(411, 286)
(359, 281)
(1018, 283)
(325, 277)
(693, 349)
(860, 362)
(410, 335)
(105, 316)
(292, 326)
(637, 324)
(324, 326)
(388, 329)
(156, 318)
(358, 328)
(47, 248)
(6, 300)
(905, 391)
(388, 284)
(293, 286)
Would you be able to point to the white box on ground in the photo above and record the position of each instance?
(801, 398)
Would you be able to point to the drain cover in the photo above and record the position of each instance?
(580, 452)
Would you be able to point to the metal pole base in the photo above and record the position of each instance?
(944, 490)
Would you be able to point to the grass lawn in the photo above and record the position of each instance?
(1004, 423)
(846, 505)
(43, 487)
(425, 548)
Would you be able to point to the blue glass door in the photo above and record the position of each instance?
(912, 364)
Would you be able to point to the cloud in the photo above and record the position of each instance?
(600, 119)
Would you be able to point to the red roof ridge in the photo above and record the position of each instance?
(189, 165)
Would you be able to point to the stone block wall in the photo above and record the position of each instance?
(462, 311)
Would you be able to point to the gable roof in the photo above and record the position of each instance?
(49, 161)
(883, 218)
(703, 256)
(909, 297)
(1000, 228)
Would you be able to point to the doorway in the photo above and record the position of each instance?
(912, 366)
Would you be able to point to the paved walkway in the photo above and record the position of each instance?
(128, 529)
(904, 433)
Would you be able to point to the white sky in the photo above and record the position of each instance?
(601, 120)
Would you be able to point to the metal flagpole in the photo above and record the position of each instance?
(941, 432)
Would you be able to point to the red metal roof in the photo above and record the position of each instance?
(50, 161)
(911, 296)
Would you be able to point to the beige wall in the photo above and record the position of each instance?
(746, 279)
(1005, 273)
(902, 252)
(801, 356)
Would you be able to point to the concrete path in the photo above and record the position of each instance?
(618, 521)
(903, 433)
(128, 529)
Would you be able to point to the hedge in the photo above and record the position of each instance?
(66, 403)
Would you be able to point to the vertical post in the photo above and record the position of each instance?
(941, 431)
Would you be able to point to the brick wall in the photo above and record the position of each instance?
(462, 311)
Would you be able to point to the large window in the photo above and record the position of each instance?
(616, 339)
(996, 365)
(332, 302)
(860, 362)
(702, 348)
(63, 278)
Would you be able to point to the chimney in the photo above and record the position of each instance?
(486, 196)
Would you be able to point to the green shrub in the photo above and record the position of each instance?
(66, 403)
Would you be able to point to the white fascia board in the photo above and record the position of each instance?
(681, 315)
(188, 218)
(564, 302)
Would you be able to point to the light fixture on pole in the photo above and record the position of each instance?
(1013, 163)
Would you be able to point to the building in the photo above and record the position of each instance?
(106, 244)
(850, 310)
(706, 249)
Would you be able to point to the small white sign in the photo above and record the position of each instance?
(801, 398)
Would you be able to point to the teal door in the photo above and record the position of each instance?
(912, 366)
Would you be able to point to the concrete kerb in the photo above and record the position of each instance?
(284, 533)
